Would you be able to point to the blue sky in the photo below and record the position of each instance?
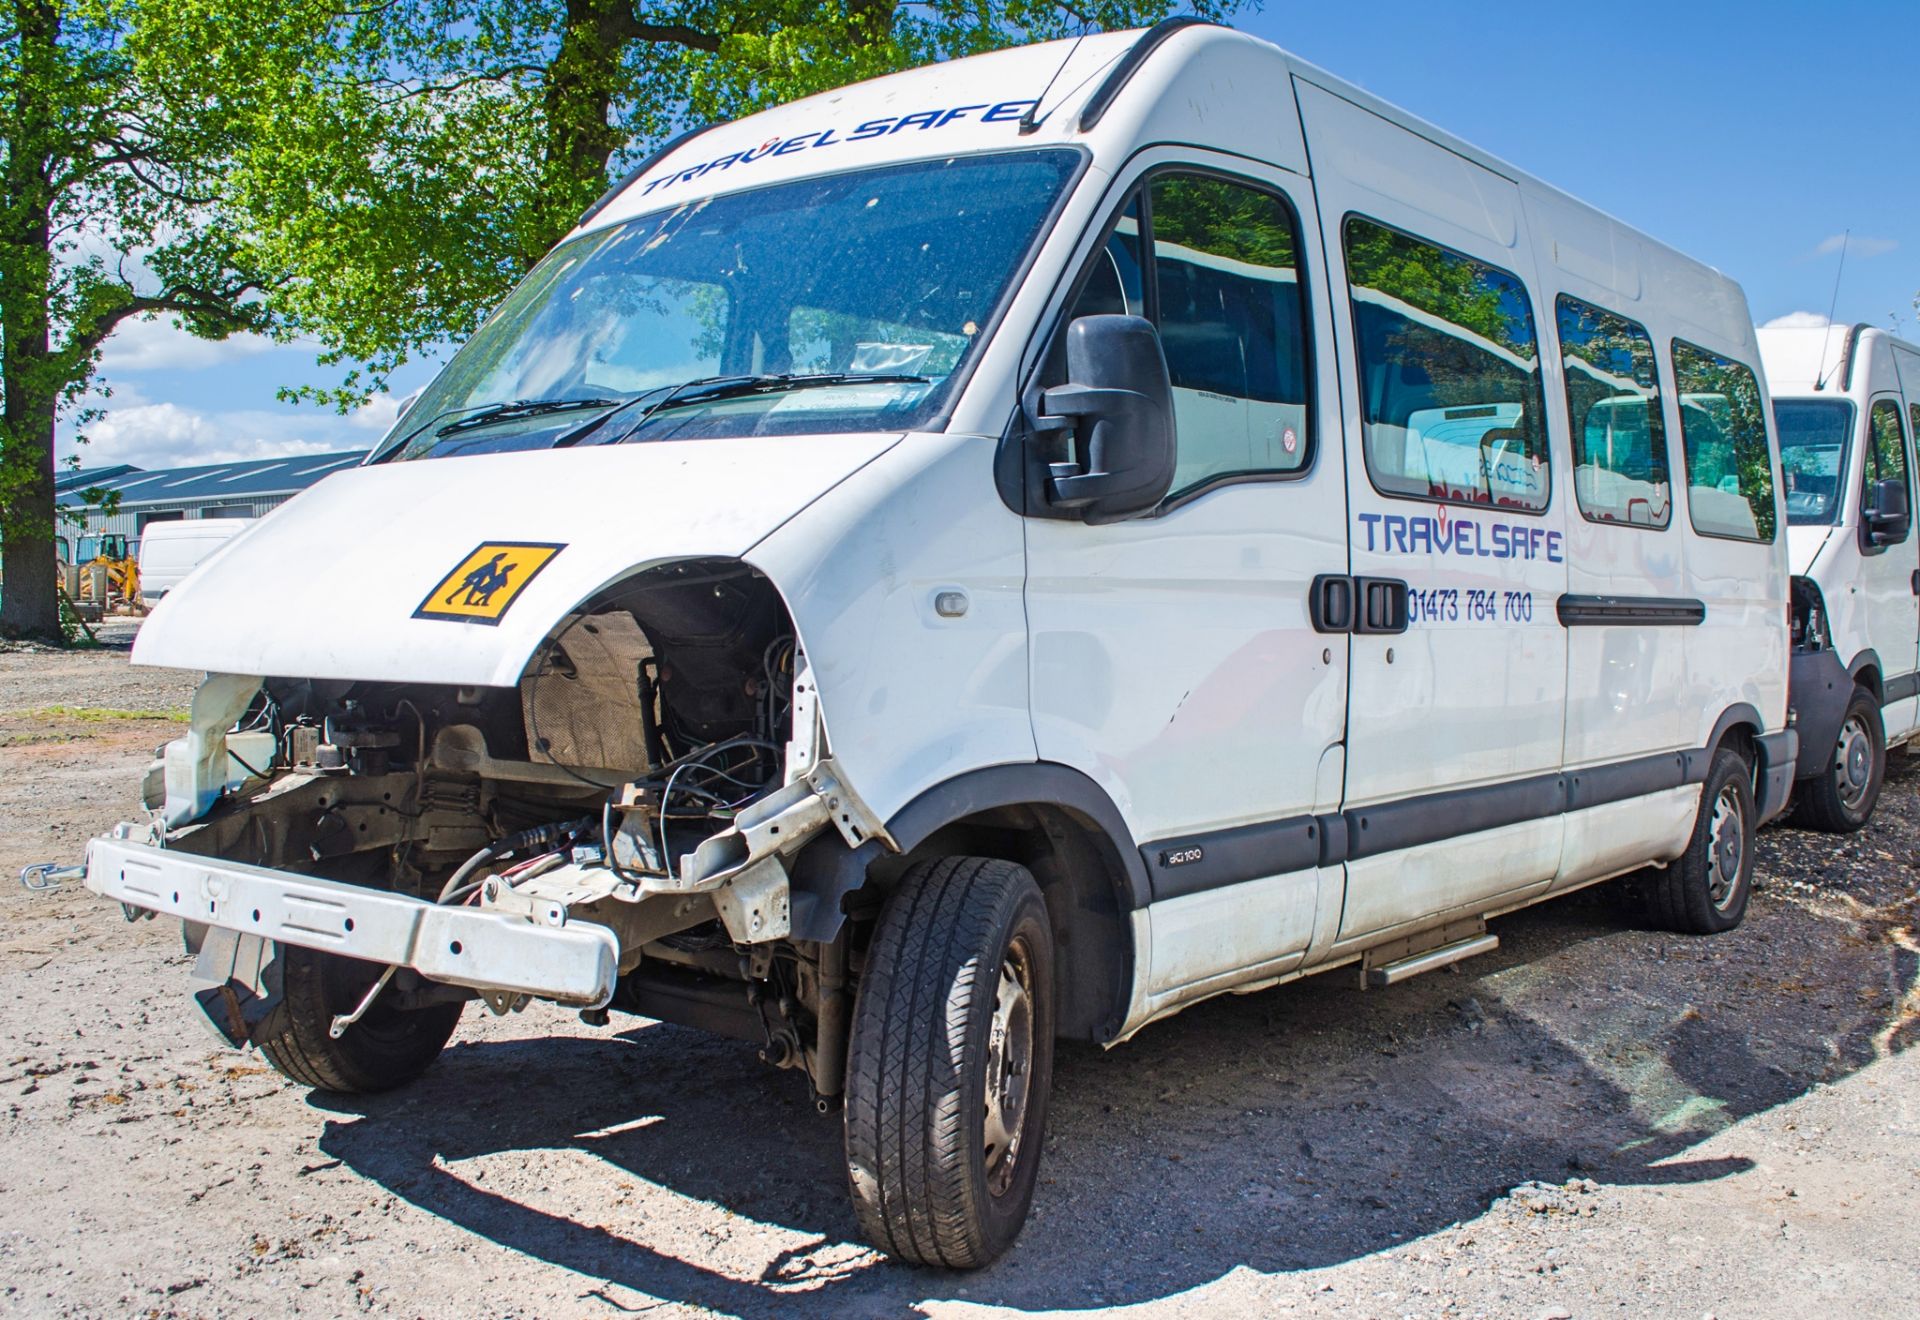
(1749, 135)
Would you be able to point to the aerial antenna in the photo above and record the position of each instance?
(1031, 120)
(1819, 376)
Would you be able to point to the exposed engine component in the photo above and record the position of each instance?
(655, 772)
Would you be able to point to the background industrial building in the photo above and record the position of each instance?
(215, 490)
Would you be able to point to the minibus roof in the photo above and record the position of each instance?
(1196, 83)
(1827, 360)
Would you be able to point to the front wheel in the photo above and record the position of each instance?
(388, 1047)
(1706, 890)
(1841, 797)
(951, 1063)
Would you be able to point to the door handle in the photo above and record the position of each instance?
(1330, 603)
(1383, 605)
(1367, 605)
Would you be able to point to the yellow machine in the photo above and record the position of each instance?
(111, 578)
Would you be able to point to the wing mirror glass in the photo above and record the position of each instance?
(1118, 400)
(1888, 518)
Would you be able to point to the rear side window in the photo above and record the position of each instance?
(1449, 373)
(1613, 400)
(1724, 433)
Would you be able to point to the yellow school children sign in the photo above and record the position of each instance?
(482, 586)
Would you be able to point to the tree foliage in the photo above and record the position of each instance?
(409, 161)
(115, 207)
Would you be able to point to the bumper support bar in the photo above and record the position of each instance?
(575, 963)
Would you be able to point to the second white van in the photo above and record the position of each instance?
(171, 550)
(1847, 403)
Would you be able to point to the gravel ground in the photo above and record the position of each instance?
(1594, 1120)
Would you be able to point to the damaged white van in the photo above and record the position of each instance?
(1846, 405)
(947, 565)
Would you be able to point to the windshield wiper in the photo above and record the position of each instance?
(500, 412)
(708, 389)
(479, 414)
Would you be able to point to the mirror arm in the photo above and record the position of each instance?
(1074, 485)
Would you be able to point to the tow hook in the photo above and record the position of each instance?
(44, 876)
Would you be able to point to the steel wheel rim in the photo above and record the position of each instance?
(1009, 1073)
(1853, 763)
(1726, 846)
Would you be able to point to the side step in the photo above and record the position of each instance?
(1403, 959)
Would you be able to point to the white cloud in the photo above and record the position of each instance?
(1796, 321)
(154, 343)
(1857, 245)
(381, 412)
(160, 435)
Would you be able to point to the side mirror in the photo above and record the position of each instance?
(1886, 519)
(1119, 401)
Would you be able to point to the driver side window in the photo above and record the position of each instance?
(1222, 286)
(1886, 451)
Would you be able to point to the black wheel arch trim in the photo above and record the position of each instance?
(828, 871)
(1818, 690)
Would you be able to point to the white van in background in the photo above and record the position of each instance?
(171, 550)
(945, 565)
(1846, 403)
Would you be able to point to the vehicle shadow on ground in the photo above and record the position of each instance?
(1287, 1130)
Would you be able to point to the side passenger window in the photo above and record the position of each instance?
(1449, 373)
(1613, 399)
(1223, 287)
(1887, 450)
(1724, 433)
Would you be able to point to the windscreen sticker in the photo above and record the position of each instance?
(998, 112)
(482, 587)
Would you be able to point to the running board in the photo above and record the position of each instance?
(1378, 975)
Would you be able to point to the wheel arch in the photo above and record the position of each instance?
(1738, 728)
(1870, 673)
(1051, 819)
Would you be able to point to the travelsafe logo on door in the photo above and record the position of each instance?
(1470, 538)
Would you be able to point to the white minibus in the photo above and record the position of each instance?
(997, 553)
(1846, 406)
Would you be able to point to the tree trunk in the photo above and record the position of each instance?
(581, 84)
(29, 604)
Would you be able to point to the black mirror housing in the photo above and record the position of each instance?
(1119, 401)
(1886, 518)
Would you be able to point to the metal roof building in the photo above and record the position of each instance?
(216, 490)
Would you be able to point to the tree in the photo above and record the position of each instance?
(408, 161)
(113, 209)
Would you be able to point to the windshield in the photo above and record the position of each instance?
(775, 302)
(1813, 456)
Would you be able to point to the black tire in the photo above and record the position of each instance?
(388, 1047)
(1706, 890)
(1841, 798)
(934, 1016)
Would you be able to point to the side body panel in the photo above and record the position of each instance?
(1625, 680)
(1174, 663)
(1473, 693)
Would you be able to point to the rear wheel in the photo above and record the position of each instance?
(1841, 798)
(951, 1063)
(1706, 890)
(388, 1047)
